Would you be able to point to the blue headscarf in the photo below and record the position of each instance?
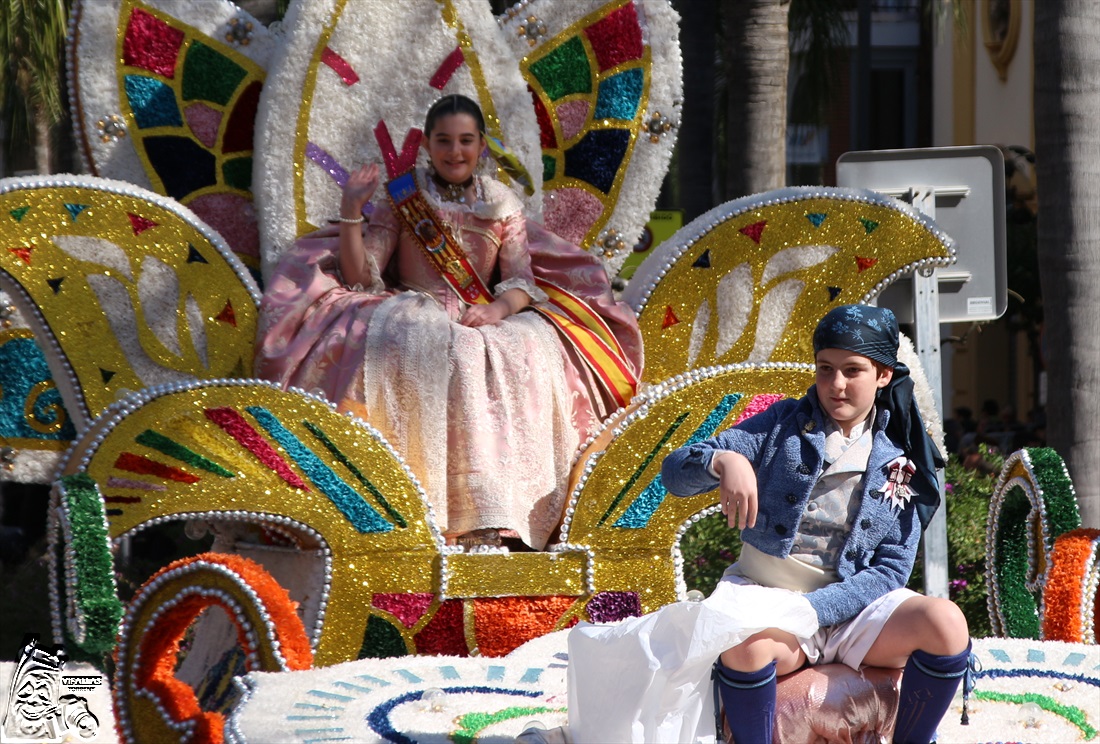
(873, 332)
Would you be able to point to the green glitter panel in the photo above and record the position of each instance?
(382, 640)
(209, 75)
(238, 173)
(549, 167)
(564, 71)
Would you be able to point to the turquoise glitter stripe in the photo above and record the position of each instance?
(645, 464)
(357, 511)
(347, 463)
(639, 513)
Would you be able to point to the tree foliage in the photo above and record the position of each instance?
(32, 41)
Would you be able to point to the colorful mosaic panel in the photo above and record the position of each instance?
(192, 100)
(590, 85)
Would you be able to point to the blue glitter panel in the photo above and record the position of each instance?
(182, 164)
(639, 513)
(353, 506)
(596, 158)
(619, 96)
(153, 102)
(22, 367)
(402, 187)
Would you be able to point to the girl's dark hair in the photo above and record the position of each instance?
(455, 103)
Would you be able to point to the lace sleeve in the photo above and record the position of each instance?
(515, 261)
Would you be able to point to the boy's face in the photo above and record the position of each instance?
(847, 384)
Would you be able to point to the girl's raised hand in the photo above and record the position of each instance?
(359, 189)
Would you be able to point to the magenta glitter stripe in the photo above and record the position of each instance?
(442, 76)
(340, 66)
(758, 403)
(234, 425)
(115, 482)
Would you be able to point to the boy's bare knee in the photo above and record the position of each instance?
(947, 626)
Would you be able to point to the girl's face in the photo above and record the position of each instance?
(454, 146)
(847, 384)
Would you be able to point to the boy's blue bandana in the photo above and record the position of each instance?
(873, 332)
(869, 331)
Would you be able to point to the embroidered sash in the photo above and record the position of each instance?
(577, 323)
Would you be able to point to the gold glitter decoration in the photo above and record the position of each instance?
(88, 257)
(641, 559)
(516, 574)
(560, 180)
(363, 563)
(813, 253)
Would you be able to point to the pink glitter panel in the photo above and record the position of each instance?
(234, 424)
(340, 66)
(408, 608)
(757, 404)
(572, 116)
(617, 38)
(570, 212)
(204, 122)
(151, 44)
(234, 217)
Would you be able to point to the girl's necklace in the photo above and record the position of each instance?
(452, 192)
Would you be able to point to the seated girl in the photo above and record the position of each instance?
(441, 323)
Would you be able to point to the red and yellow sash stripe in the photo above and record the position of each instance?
(593, 340)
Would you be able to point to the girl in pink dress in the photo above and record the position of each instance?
(486, 395)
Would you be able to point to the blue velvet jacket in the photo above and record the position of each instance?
(785, 444)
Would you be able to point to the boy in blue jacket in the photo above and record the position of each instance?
(831, 492)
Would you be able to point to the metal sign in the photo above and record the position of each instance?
(968, 185)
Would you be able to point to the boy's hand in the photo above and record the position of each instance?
(736, 488)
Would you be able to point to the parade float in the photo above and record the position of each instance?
(324, 603)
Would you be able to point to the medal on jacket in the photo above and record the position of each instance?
(896, 490)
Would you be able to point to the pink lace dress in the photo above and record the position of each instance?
(488, 418)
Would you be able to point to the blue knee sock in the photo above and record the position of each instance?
(749, 700)
(927, 688)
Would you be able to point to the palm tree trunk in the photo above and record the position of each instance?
(757, 56)
(43, 150)
(1067, 139)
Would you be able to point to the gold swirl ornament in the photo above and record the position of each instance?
(123, 288)
(749, 280)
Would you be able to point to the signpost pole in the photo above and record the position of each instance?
(926, 316)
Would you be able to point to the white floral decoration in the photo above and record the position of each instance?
(394, 48)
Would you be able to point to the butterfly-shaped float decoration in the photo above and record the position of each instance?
(164, 95)
(124, 289)
(748, 280)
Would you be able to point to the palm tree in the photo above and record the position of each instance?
(32, 37)
(755, 59)
(1067, 144)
